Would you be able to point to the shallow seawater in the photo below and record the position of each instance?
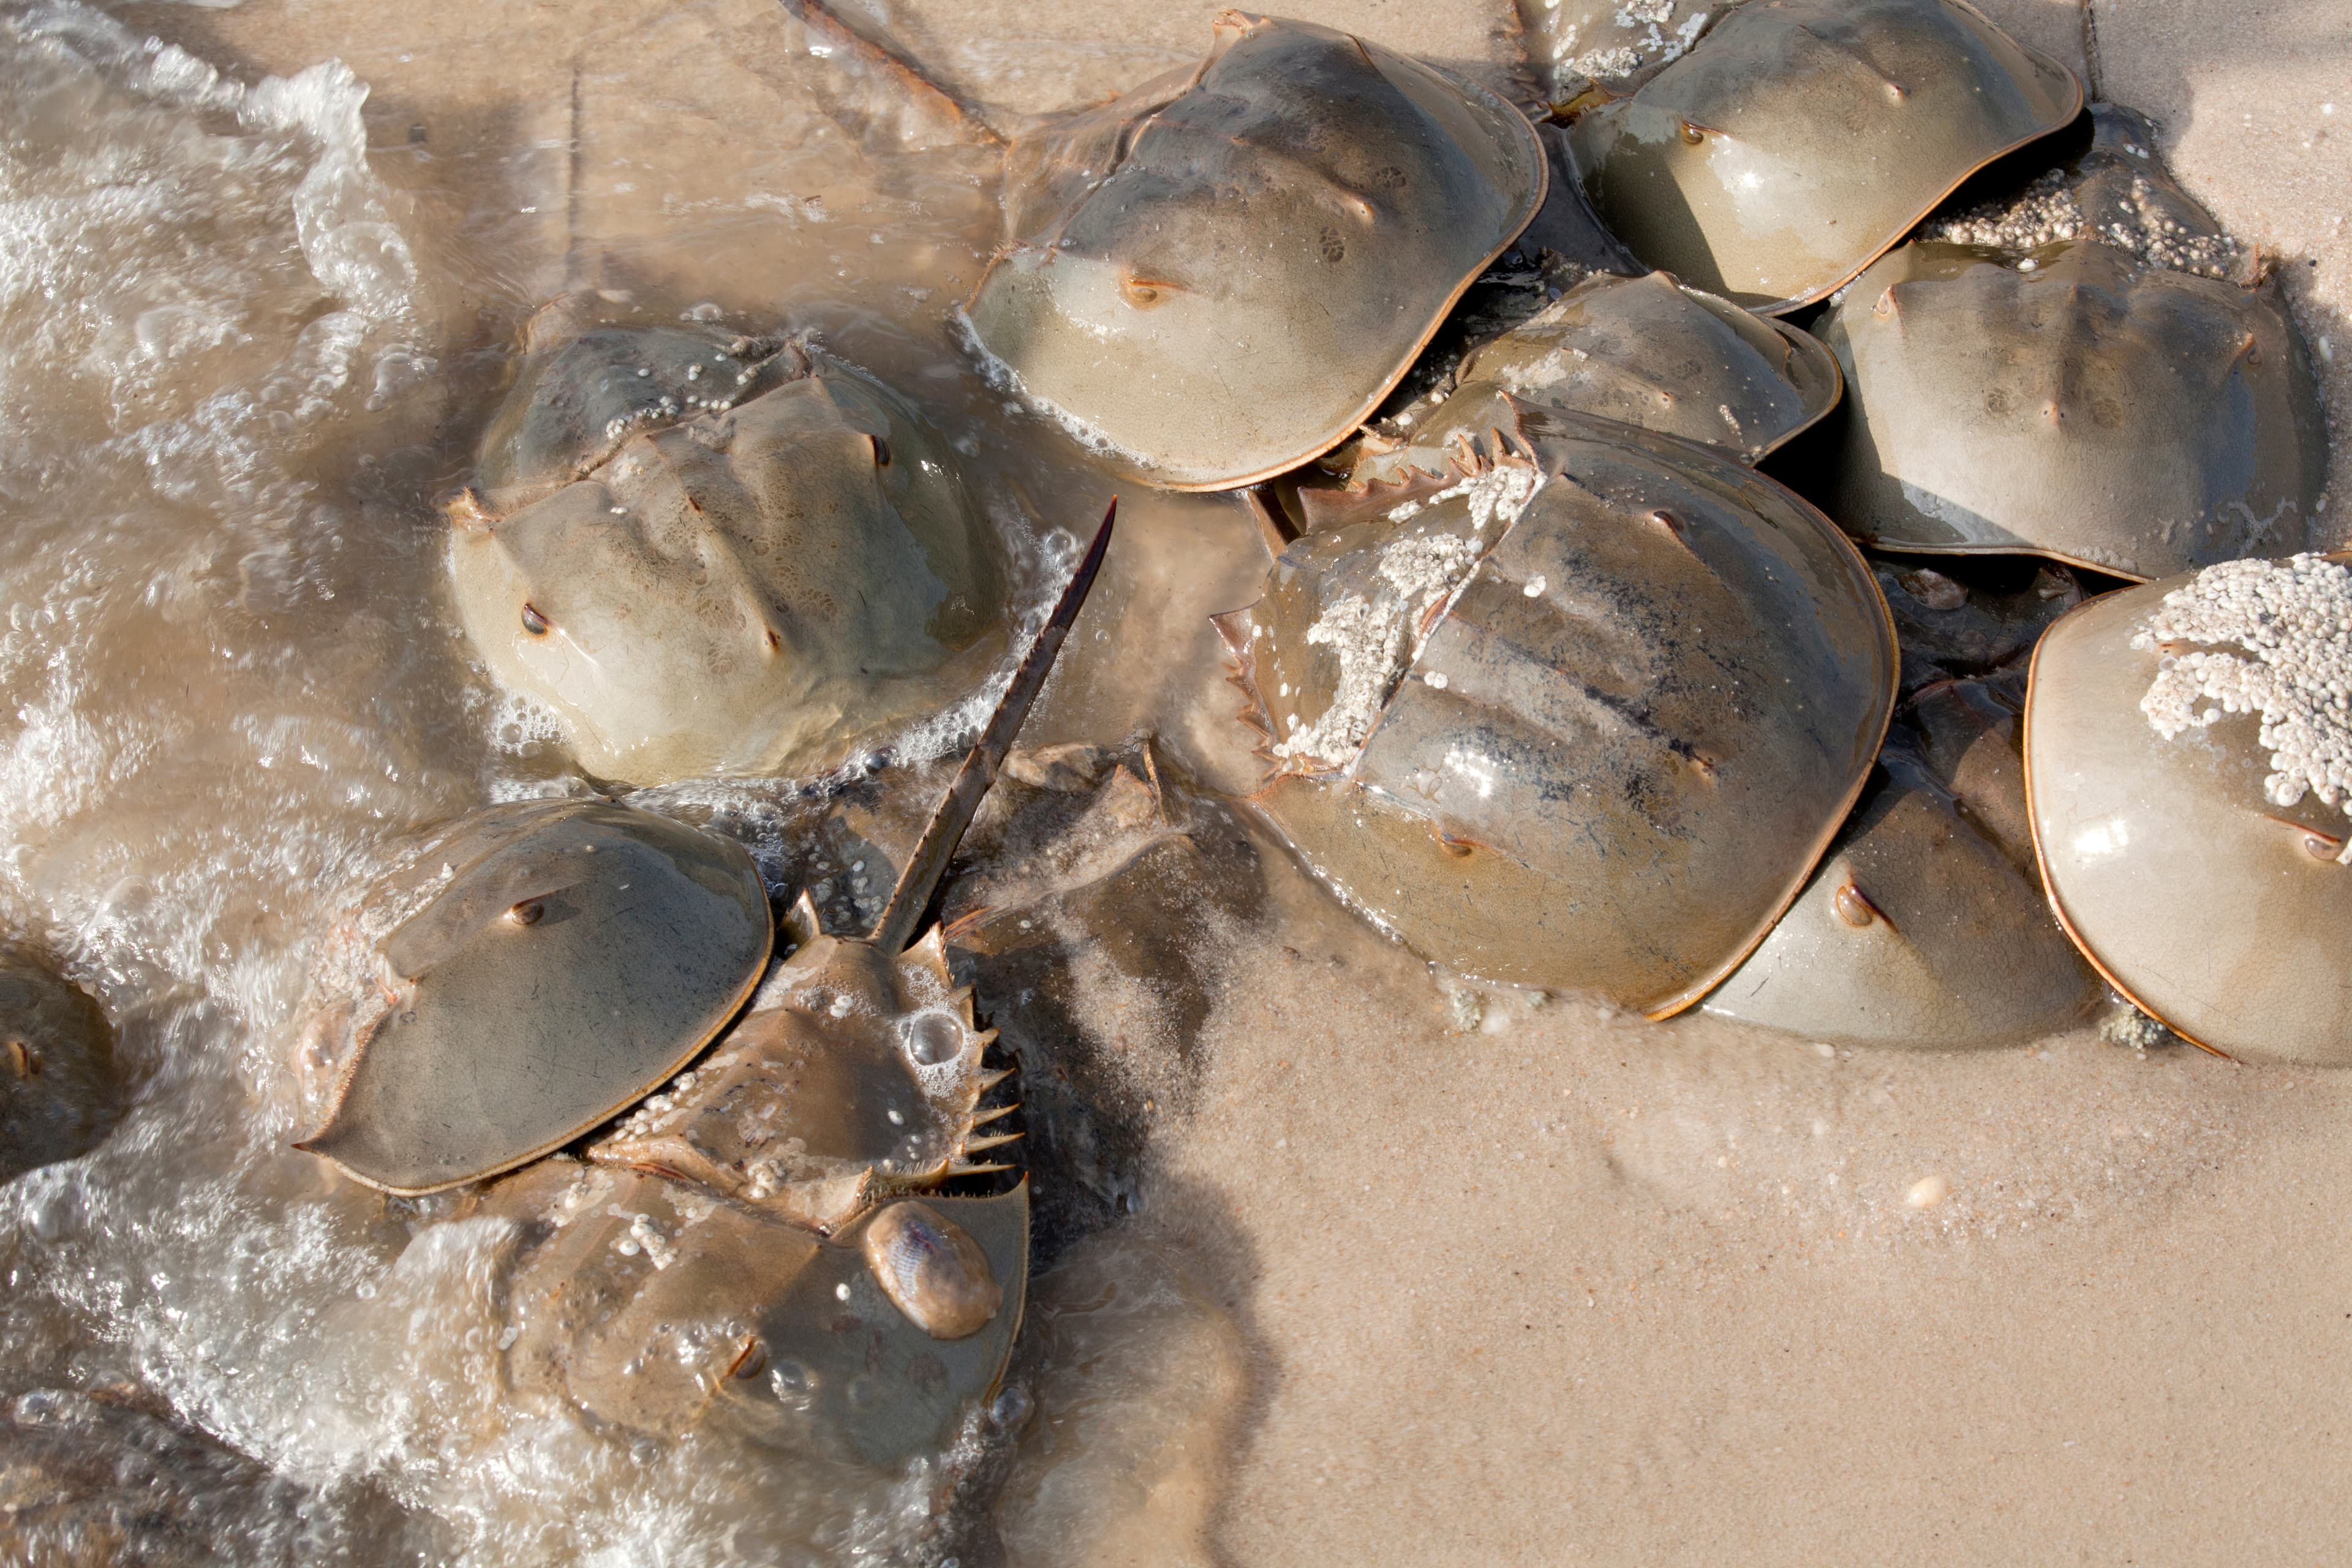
(1388, 1266)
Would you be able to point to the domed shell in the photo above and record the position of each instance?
(659, 1309)
(1581, 713)
(2188, 760)
(1220, 275)
(2137, 420)
(1799, 139)
(748, 590)
(574, 956)
(59, 1091)
(1918, 931)
(1651, 352)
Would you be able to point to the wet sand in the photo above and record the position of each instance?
(1425, 1274)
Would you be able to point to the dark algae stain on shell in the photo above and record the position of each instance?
(2188, 761)
(1799, 139)
(1218, 276)
(1652, 353)
(1579, 709)
(573, 956)
(2138, 420)
(737, 579)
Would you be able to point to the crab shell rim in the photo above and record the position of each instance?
(1512, 115)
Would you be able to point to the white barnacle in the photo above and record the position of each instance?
(2295, 617)
(1376, 638)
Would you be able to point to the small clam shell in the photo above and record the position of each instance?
(931, 1271)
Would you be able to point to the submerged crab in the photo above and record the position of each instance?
(1798, 140)
(712, 554)
(770, 1240)
(2188, 770)
(59, 1091)
(1566, 703)
(1220, 275)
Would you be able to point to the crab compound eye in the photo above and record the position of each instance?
(533, 621)
(934, 1039)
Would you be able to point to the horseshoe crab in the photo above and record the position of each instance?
(1799, 139)
(58, 1093)
(1220, 275)
(774, 1240)
(1651, 353)
(2188, 761)
(1921, 928)
(2138, 420)
(1561, 702)
(740, 579)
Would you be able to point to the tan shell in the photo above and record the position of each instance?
(1917, 930)
(1800, 138)
(2210, 907)
(58, 1090)
(2137, 420)
(1220, 275)
(1606, 757)
(658, 1308)
(748, 590)
(578, 954)
(1651, 352)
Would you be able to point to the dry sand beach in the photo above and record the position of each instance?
(1417, 1272)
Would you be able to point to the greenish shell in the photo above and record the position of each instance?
(1922, 928)
(1220, 275)
(2077, 404)
(739, 589)
(1651, 353)
(574, 956)
(1799, 139)
(59, 1089)
(1581, 712)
